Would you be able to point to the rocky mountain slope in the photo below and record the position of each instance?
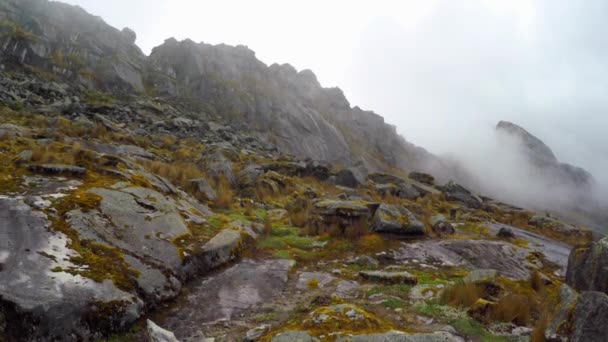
(131, 193)
(286, 107)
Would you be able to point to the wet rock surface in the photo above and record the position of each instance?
(509, 260)
(554, 251)
(588, 267)
(40, 301)
(225, 295)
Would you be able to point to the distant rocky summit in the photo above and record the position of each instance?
(542, 157)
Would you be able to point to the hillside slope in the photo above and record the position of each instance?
(287, 107)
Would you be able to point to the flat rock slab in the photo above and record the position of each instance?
(390, 277)
(225, 295)
(508, 259)
(395, 336)
(554, 251)
(307, 280)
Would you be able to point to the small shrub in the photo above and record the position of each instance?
(267, 226)
(371, 243)
(225, 193)
(313, 283)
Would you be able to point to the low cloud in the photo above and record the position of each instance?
(448, 80)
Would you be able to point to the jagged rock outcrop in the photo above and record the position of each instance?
(67, 41)
(287, 107)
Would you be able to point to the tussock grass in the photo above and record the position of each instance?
(461, 295)
(514, 308)
(225, 194)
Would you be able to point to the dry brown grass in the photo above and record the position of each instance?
(514, 308)
(357, 229)
(178, 173)
(62, 154)
(225, 194)
(538, 334)
(536, 282)
(461, 295)
(371, 243)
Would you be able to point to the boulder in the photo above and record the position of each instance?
(588, 267)
(306, 280)
(248, 176)
(579, 318)
(222, 248)
(403, 190)
(422, 177)
(218, 165)
(347, 289)
(392, 219)
(505, 233)
(407, 191)
(457, 193)
(158, 334)
(441, 226)
(349, 177)
(203, 189)
(347, 216)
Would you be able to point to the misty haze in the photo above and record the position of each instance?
(322, 171)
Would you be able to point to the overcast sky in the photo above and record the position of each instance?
(443, 71)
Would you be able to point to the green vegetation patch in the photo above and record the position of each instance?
(459, 320)
(397, 290)
(285, 242)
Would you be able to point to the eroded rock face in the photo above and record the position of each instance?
(66, 40)
(588, 267)
(579, 318)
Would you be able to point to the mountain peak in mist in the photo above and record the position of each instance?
(544, 160)
(533, 146)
